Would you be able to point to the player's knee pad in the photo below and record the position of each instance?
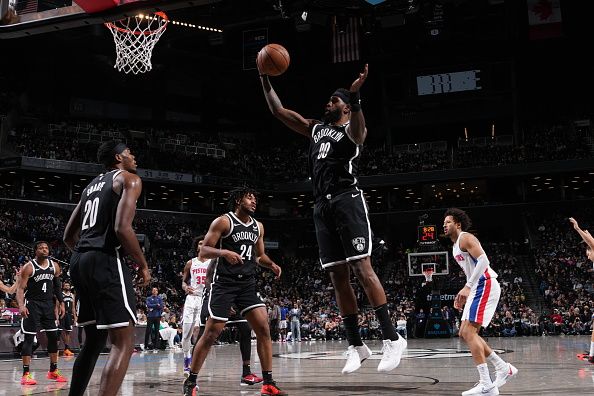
(27, 348)
(52, 341)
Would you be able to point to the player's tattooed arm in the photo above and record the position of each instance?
(262, 258)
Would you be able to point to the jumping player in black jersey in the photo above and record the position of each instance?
(340, 213)
(240, 247)
(100, 224)
(38, 286)
(69, 317)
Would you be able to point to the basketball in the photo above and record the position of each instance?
(273, 60)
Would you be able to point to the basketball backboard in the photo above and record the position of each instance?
(418, 262)
(32, 17)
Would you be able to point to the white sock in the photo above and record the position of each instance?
(496, 361)
(483, 370)
(591, 348)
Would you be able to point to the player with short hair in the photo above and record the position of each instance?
(589, 241)
(39, 284)
(478, 299)
(240, 248)
(100, 225)
(193, 283)
(340, 214)
(69, 318)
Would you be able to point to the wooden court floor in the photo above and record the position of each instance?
(548, 366)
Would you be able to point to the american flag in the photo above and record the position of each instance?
(345, 45)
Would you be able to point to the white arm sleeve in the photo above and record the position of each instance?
(481, 266)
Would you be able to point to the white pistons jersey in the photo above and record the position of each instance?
(198, 276)
(467, 262)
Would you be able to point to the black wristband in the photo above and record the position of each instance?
(355, 100)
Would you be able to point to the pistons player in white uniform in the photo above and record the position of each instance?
(194, 278)
(478, 298)
(589, 241)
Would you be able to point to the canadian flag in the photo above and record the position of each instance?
(544, 19)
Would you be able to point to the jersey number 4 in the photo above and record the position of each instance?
(90, 213)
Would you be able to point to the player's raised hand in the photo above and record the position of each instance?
(232, 257)
(356, 85)
(574, 223)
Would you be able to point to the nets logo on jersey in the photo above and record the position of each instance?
(359, 243)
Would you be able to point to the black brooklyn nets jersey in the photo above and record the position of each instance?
(98, 205)
(40, 286)
(241, 239)
(333, 160)
(68, 302)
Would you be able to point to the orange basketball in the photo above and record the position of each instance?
(273, 60)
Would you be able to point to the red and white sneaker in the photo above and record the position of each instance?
(250, 379)
(27, 379)
(56, 376)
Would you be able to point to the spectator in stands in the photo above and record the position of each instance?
(154, 305)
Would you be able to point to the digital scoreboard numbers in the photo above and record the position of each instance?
(427, 234)
(432, 84)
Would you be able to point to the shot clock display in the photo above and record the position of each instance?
(427, 234)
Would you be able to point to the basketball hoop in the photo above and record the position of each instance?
(428, 272)
(134, 38)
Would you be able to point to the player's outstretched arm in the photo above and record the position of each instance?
(586, 237)
(357, 130)
(262, 258)
(72, 231)
(219, 227)
(290, 118)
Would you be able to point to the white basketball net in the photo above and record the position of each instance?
(428, 275)
(135, 38)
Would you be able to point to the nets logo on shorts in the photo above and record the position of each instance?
(359, 243)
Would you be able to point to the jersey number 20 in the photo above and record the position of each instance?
(90, 213)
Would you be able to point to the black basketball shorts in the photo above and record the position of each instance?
(104, 289)
(225, 293)
(41, 317)
(342, 228)
(66, 322)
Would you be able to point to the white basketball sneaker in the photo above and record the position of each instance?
(355, 356)
(392, 353)
(482, 389)
(503, 376)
